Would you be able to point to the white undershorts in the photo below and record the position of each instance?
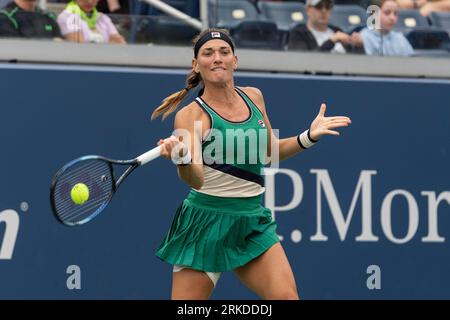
(214, 276)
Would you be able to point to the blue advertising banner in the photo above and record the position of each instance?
(365, 215)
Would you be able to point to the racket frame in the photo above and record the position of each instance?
(134, 163)
(115, 184)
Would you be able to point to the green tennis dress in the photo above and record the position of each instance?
(223, 225)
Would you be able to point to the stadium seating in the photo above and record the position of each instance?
(284, 14)
(441, 20)
(161, 30)
(347, 17)
(229, 13)
(268, 28)
(190, 7)
(362, 3)
(429, 42)
(123, 23)
(410, 19)
(257, 35)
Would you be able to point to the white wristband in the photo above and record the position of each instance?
(304, 140)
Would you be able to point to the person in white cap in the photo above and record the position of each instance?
(317, 34)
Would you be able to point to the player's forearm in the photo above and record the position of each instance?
(192, 174)
(288, 147)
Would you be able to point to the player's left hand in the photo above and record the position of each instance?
(322, 125)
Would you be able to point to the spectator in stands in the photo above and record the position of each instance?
(317, 34)
(384, 41)
(114, 6)
(425, 6)
(24, 19)
(81, 22)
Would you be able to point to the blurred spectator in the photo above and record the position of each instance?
(24, 19)
(114, 6)
(384, 41)
(81, 22)
(425, 6)
(362, 3)
(317, 34)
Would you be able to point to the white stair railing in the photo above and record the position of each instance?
(164, 7)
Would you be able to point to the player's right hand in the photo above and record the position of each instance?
(173, 149)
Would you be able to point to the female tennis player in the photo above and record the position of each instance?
(222, 225)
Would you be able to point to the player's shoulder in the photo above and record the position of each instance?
(252, 92)
(187, 116)
(255, 95)
(190, 112)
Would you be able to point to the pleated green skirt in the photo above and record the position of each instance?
(216, 234)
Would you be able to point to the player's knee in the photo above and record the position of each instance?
(289, 293)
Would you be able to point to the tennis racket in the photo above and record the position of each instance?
(83, 188)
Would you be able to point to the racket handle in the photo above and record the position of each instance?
(149, 155)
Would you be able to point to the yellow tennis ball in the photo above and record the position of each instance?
(79, 193)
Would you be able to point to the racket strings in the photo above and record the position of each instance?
(97, 175)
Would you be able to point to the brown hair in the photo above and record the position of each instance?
(170, 103)
(380, 3)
